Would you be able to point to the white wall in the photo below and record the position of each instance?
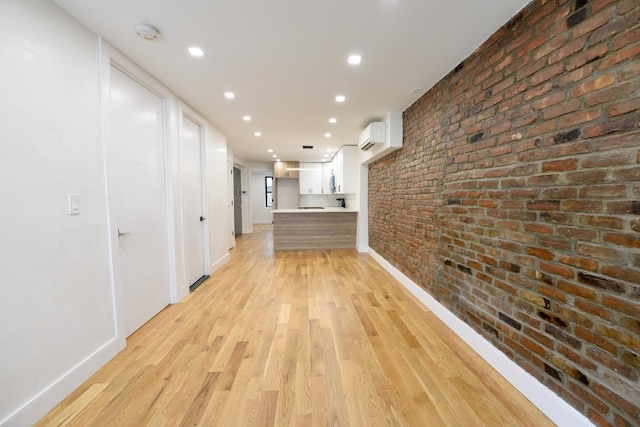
(56, 308)
(218, 197)
(57, 321)
(260, 214)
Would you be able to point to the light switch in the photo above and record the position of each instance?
(74, 205)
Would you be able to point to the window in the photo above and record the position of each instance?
(268, 191)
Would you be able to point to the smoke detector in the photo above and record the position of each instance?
(147, 32)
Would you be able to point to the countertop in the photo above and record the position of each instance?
(325, 210)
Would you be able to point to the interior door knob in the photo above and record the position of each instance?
(120, 234)
(202, 218)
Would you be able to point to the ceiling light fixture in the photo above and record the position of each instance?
(340, 98)
(246, 118)
(277, 160)
(229, 95)
(196, 51)
(269, 150)
(147, 32)
(274, 156)
(354, 59)
(332, 120)
(257, 133)
(327, 135)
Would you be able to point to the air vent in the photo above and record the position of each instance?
(307, 147)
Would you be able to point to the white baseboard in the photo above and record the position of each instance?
(552, 405)
(53, 394)
(219, 263)
(260, 221)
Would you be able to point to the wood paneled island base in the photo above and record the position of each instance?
(305, 230)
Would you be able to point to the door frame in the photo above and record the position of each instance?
(110, 56)
(185, 111)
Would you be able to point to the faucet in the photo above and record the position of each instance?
(342, 202)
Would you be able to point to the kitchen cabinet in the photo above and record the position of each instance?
(345, 169)
(286, 169)
(315, 178)
(310, 180)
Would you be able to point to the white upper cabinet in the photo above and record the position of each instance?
(345, 168)
(310, 180)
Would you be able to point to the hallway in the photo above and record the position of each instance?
(295, 339)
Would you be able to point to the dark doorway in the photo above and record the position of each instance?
(237, 201)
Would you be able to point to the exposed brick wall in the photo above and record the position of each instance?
(515, 200)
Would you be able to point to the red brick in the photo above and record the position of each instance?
(604, 191)
(627, 307)
(584, 57)
(610, 94)
(582, 263)
(544, 205)
(560, 165)
(601, 252)
(567, 50)
(552, 293)
(628, 241)
(562, 109)
(546, 74)
(538, 228)
(580, 117)
(618, 124)
(584, 177)
(591, 308)
(593, 85)
(577, 290)
(622, 55)
(618, 272)
(547, 101)
(623, 208)
(595, 339)
(604, 160)
(582, 206)
(557, 270)
(624, 107)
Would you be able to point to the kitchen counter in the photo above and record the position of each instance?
(313, 210)
(314, 229)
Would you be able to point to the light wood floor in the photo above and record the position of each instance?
(296, 339)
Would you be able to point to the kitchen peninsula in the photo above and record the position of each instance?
(314, 229)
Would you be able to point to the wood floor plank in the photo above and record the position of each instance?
(296, 338)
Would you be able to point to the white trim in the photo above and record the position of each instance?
(29, 413)
(111, 57)
(554, 407)
(219, 263)
(262, 221)
(184, 111)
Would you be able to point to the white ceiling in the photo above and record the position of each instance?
(286, 60)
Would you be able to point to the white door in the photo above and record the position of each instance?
(140, 198)
(192, 203)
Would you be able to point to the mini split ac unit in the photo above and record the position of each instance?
(373, 134)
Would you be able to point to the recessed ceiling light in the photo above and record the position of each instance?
(274, 156)
(354, 59)
(332, 120)
(340, 98)
(196, 51)
(329, 150)
(246, 118)
(257, 133)
(325, 155)
(269, 150)
(277, 160)
(229, 95)
(327, 135)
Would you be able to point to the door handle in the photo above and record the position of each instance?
(202, 218)
(126, 233)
